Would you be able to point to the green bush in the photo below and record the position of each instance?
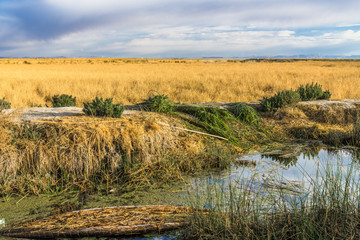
(4, 104)
(158, 103)
(244, 113)
(280, 99)
(63, 100)
(100, 108)
(312, 92)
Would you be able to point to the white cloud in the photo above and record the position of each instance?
(122, 27)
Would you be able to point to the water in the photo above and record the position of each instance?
(292, 174)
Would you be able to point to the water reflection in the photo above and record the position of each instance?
(290, 173)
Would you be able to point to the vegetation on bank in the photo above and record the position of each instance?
(289, 97)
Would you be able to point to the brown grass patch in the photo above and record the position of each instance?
(333, 114)
(84, 151)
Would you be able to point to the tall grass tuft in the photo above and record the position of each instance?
(329, 209)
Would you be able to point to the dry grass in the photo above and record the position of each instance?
(27, 82)
(133, 151)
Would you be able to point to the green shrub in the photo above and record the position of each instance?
(4, 104)
(244, 113)
(63, 100)
(99, 107)
(280, 99)
(312, 92)
(158, 103)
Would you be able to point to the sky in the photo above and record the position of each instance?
(179, 28)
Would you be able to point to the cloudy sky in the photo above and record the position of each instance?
(179, 28)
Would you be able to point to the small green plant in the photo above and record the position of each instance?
(103, 108)
(63, 100)
(280, 99)
(159, 103)
(312, 92)
(244, 113)
(4, 104)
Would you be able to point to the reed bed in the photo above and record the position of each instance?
(327, 209)
(32, 82)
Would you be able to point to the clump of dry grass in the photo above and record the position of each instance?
(134, 151)
(129, 81)
(289, 113)
(333, 114)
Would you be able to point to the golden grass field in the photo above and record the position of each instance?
(31, 82)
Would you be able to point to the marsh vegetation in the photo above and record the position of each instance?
(166, 141)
